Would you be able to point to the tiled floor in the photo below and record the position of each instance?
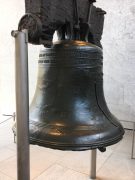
(47, 164)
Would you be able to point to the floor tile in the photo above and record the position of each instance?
(12, 146)
(6, 135)
(40, 160)
(118, 167)
(6, 153)
(4, 177)
(8, 167)
(125, 144)
(113, 147)
(57, 172)
(56, 152)
(80, 161)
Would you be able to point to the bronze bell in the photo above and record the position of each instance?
(69, 111)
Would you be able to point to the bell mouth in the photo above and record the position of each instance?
(75, 147)
(74, 140)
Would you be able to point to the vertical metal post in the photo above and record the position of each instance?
(14, 116)
(93, 164)
(22, 104)
(133, 142)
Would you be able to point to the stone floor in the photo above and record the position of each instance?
(47, 164)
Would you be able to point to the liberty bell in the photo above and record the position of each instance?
(69, 111)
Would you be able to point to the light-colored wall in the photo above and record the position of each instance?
(10, 14)
(119, 57)
(119, 54)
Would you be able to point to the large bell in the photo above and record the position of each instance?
(69, 111)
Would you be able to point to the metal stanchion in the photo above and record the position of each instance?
(22, 104)
(133, 142)
(93, 164)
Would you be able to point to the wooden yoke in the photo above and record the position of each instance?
(44, 17)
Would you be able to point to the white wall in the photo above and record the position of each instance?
(10, 14)
(119, 57)
(119, 51)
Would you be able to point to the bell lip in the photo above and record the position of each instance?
(76, 147)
